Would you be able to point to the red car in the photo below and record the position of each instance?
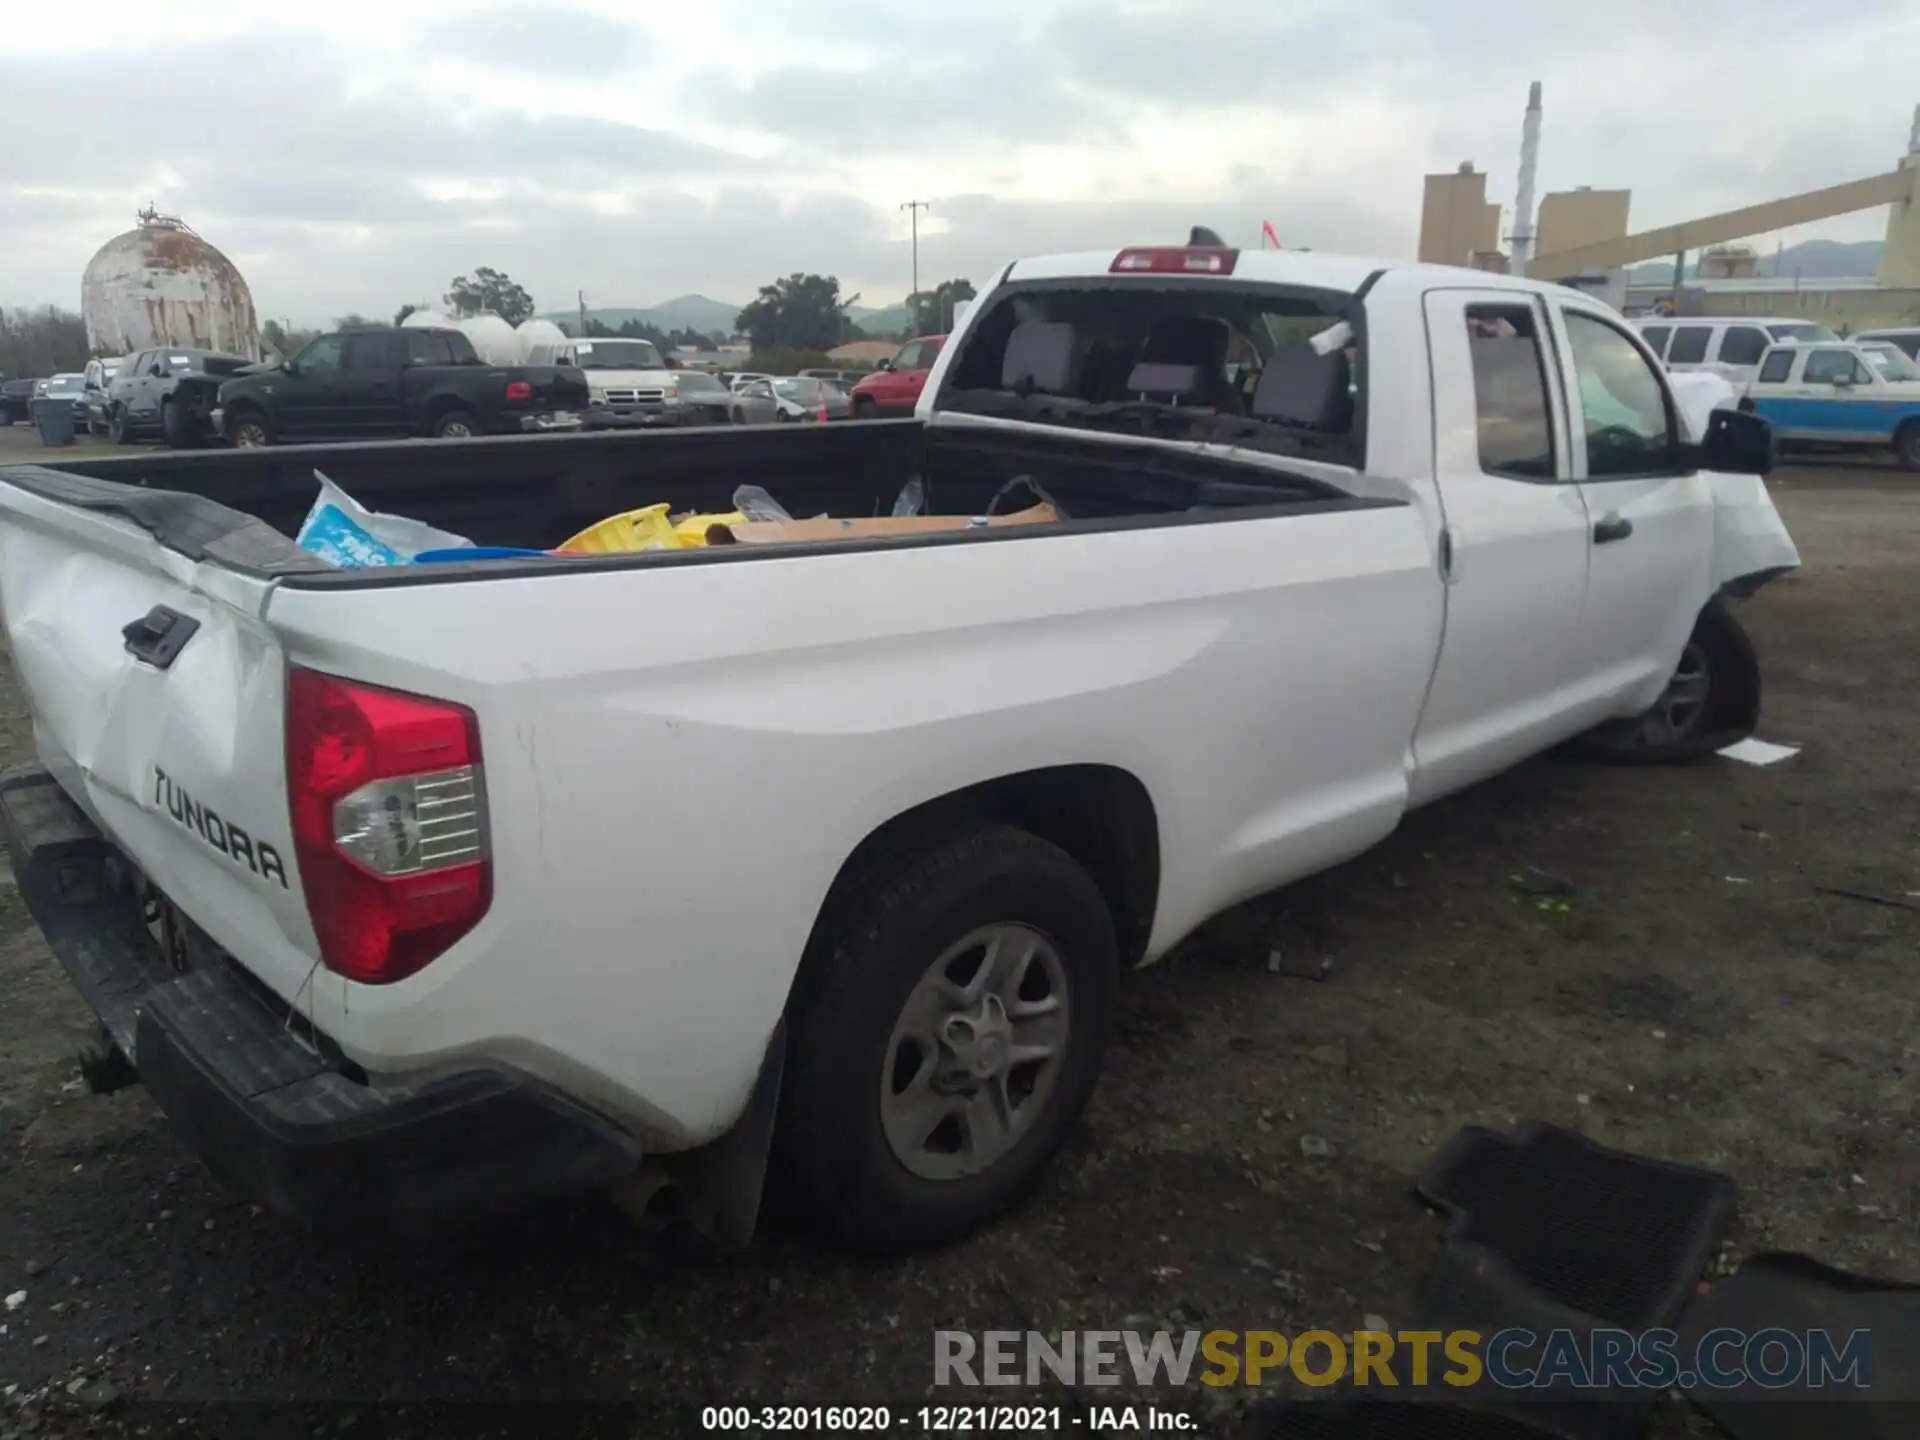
(894, 389)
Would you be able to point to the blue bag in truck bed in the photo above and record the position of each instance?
(343, 532)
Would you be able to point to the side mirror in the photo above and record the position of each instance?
(1843, 382)
(1737, 443)
(289, 367)
(883, 365)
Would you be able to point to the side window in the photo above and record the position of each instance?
(1834, 367)
(907, 357)
(1742, 345)
(1629, 422)
(1776, 367)
(1689, 345)
(426, 348)
(1511, 409)
(929, 352)
(367, 355)
(1656, 337)
(322, 357)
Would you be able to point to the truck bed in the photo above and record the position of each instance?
(535, 491)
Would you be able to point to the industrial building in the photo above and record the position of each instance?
(1580, 237)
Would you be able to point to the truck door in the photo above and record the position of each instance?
(1651, 540)
(307, 395)
(1513, 544)
(369, 386)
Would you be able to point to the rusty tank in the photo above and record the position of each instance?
(161, 284)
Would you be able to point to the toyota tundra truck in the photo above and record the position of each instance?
(415, 892)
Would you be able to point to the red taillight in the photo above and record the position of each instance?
(389, 823)
(1175, 260)
(519, 390)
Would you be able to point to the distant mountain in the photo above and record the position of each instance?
(1811, 259)
(886, 320)
(709, 317)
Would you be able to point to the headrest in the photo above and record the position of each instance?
(1299, 386)
(1188, 340)
(1039, 354)
(1150, 379)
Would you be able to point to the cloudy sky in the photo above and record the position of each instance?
(354, 154)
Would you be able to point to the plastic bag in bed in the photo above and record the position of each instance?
(343, 532)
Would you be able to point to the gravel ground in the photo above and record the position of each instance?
(1246, 1161)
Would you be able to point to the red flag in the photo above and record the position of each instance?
(1267, 232)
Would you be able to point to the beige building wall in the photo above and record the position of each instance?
(1570, 218)
(1854, 309)
(1900, 261)
(1454, 221)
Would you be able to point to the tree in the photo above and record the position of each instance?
(487, 290)
(359, 322)
(284, 338)
(931, 312)
(400, 315)
(40, 342)
(800, 312)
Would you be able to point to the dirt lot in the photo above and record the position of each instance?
(1699, 1000)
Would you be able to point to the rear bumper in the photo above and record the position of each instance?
(547, 420)
(270, 1114)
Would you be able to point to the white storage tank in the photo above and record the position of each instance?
(161, 284)
(539, 341)
(493, 338)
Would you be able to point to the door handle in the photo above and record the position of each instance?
(1610, 528)
(158, 636)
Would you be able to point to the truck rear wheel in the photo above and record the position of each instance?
(945, 1035)
(456, 425)
(118, 431)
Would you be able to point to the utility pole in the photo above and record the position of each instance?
(913, 209)
(581, 295)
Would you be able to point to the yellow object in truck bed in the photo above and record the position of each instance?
(828, 528)
(648, 528)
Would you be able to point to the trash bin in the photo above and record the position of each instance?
(54, 415)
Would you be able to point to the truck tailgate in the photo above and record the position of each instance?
(177, 757)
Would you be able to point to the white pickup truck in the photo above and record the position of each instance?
(416, 891)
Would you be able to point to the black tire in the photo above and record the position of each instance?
(249, 430)
(739, 417)
(864, 408)
(875, 943)
(457, 425)
(1729, 709)
(1906, 445)
(177, 427)
(118, 431)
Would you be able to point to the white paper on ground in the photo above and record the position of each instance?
(1760, 752)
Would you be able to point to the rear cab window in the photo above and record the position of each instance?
(1208, 360)
(1778, 365)
(1512, 409)
(425, 347)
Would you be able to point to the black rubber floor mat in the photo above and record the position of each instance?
(1353, 1420)
(1850, 1318)
(1618, 1237)
(1549, 1375)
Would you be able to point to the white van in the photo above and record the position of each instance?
(1906, 338)
(1728, 345)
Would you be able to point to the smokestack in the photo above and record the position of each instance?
(1523, 194)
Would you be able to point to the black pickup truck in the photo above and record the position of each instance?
(381, 384)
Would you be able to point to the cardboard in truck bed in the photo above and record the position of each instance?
(760, 532)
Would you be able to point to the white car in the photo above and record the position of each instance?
(1863, 395)
(1726, 345)
(508, 876)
